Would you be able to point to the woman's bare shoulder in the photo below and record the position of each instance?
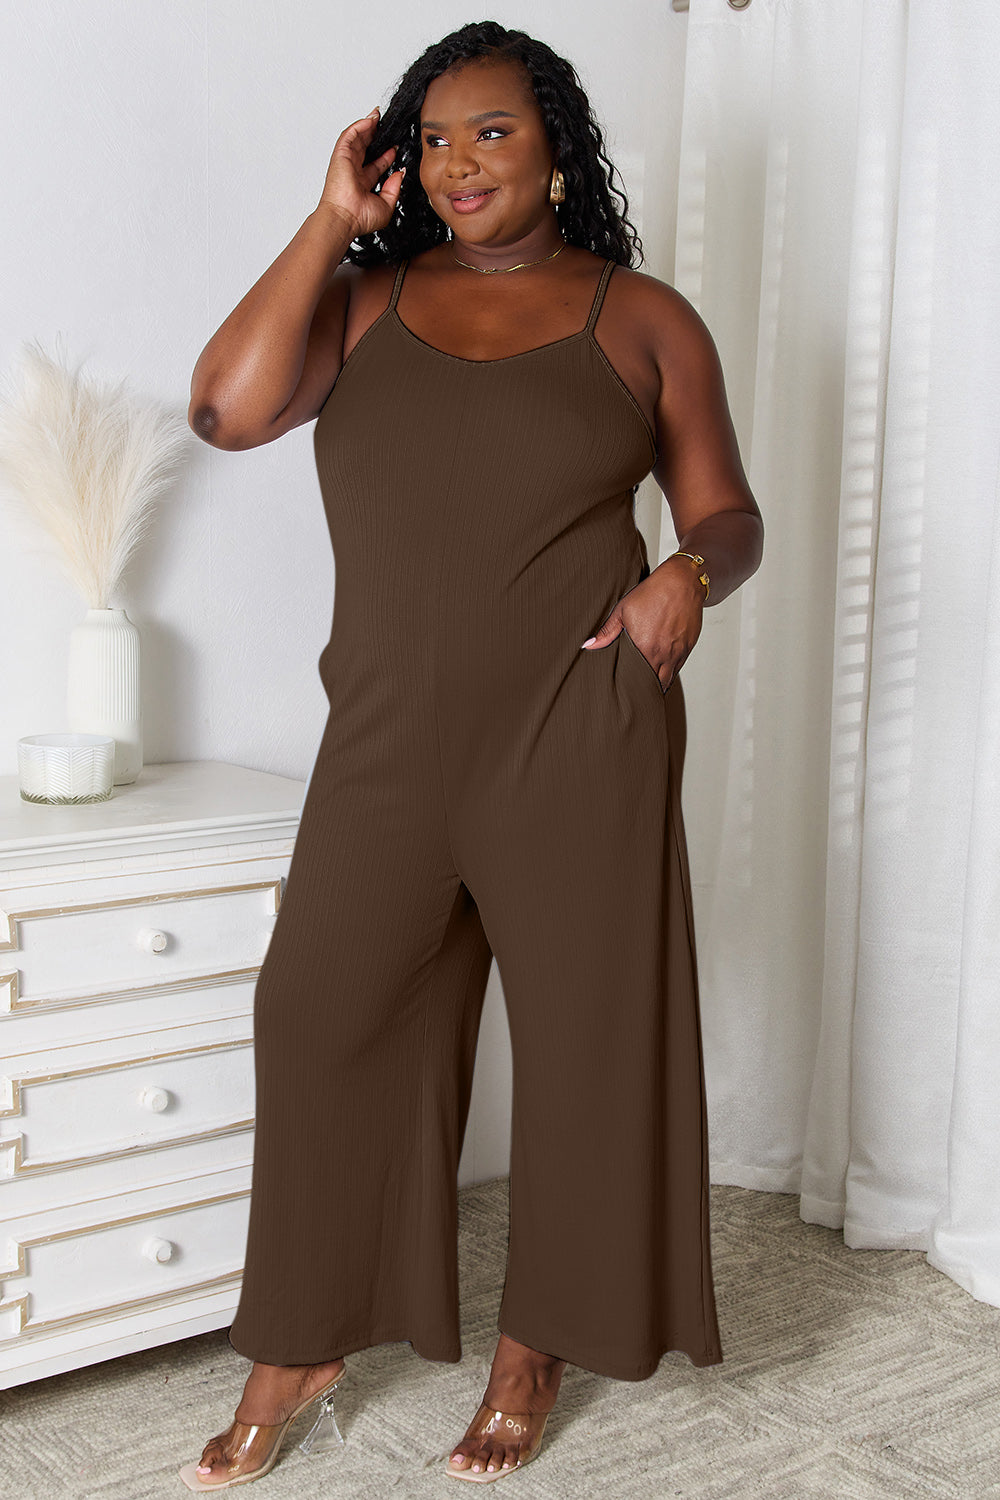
(658, 300)
(354, 296)
(352, 280)
(674, 330)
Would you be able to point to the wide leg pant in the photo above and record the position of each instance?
(405, 879)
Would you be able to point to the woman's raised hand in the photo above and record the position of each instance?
(349, 183)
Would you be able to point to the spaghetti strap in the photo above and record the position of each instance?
(397, 284)
(602, 286)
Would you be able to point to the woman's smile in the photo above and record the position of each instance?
(467, 202)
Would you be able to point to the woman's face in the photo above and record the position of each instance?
(482, 134)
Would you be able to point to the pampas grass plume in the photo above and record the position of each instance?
(85, 459)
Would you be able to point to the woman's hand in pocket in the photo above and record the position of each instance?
(662, 615)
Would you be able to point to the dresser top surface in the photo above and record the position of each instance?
(177, 795)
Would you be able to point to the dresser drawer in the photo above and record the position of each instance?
(54, 1278)
(145, 934)
(120, 1022)
(67, 1113)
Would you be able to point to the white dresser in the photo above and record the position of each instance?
(131, 935)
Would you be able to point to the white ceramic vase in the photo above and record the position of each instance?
(103, 686)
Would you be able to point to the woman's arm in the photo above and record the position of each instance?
(275, 359)
(281, 347)
(701, 474)
(699, 468)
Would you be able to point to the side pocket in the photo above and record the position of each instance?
(648, 669)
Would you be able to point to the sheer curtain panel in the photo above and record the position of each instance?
(839, 230)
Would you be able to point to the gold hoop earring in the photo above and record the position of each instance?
(557, 188)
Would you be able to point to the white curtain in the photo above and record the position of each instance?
(839, 231)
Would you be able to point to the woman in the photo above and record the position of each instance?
(500, 769)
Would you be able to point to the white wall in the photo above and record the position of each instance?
(157, 157)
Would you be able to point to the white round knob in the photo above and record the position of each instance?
(154, 1098)
(158, 1250)
(151, 941)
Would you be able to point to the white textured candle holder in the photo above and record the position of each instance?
(66, 768)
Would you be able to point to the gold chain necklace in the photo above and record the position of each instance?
(493, 270)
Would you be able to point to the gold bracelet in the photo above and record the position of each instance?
(699, 562)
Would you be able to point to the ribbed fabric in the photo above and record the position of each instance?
(483, 786)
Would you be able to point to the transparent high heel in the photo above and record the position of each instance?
(522, 1428)
(256, 1445)
(320, 1438)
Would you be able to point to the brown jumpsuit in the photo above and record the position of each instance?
(483, 787)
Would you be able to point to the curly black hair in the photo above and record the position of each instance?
(587, 216)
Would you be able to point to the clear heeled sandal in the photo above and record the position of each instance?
(522, 1428)
(256, 1445)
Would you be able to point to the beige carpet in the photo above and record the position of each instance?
(847, 1373)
